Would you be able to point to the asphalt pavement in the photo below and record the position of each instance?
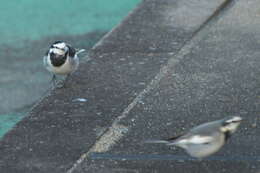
(169, 66)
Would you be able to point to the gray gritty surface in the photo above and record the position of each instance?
(213, 75)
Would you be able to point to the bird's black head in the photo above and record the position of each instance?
(58, 53)
(229, 125)
(56, 42)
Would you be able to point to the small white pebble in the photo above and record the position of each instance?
(168, 124)
(80, 100)
(141, 83)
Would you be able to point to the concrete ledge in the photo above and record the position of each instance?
(60, 130)
(216, 74)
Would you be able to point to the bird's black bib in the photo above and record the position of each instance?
(58, 60)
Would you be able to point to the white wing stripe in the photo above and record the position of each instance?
(200, 139)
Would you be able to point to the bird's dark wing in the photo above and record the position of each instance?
(72, 51)
(174, 138)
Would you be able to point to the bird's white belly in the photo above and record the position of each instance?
(204, 150)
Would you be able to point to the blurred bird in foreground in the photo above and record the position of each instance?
(205, 139)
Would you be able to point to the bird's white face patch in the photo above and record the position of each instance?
(59, 48)
(57, 51)
(234, 119)
(60, 45)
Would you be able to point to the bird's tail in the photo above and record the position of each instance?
(156, 142)
(80, 51)
(169, 141)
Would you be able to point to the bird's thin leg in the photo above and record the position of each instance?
(66, 79)
(54, 80)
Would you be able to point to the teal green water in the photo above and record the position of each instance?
(33, 19)
(7, 121)
(23, 21)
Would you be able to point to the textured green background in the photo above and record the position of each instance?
(34, 19)
(27, 28)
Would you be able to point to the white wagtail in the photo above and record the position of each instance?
(205, 139)
(61, 59)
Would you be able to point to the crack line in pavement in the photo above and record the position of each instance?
(117, 131)
(180, 158)
(227, 4)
